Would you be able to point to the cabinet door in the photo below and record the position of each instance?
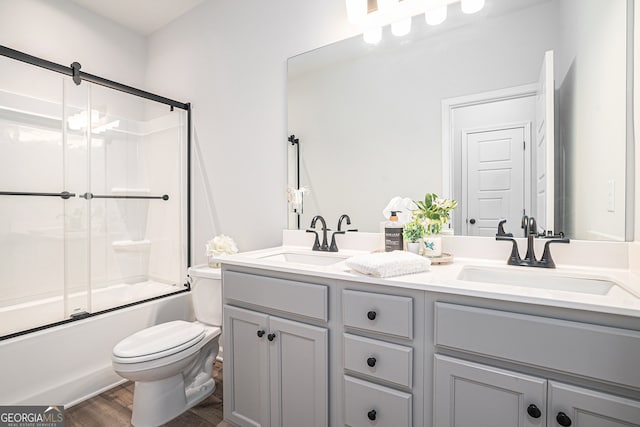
(473, 395)
(579, 407)
(246, 367)
(299, 374)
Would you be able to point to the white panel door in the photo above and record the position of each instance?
(587, 408)
(299, 374)
(543, 182)
(246, 367)
(473, 395)
(495, 178)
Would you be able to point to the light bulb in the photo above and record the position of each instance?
(401, 28)
(471, 6)
(436, 16)
(372, 35)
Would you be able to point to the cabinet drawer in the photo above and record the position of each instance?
(387, 314)
(365, 400)
(390, 362)
(304, 299)
(600, 352)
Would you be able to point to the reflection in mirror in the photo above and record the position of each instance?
(520, 109)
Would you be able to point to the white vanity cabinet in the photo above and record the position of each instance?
(470, 394)
(275, 369)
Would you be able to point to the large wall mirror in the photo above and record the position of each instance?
(523, 108)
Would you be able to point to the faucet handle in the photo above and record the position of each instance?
(546, 259)
(316, 243)
(501, 231)
(334, 246)
(514, 258)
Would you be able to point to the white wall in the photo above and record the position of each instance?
(63, 32)
(229, 59)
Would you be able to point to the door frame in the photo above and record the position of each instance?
(449, 105)
(464, 195)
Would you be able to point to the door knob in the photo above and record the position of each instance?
(563, 419)
(271, 337)
(472, 221)
(534, 411)
(260, 333)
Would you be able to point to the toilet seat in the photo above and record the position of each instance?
(158, 341)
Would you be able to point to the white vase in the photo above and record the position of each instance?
(413, 247)
(432, 245)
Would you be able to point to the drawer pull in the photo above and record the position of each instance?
(371, 315)
(563, 419)
(534, 411)
(260, 333)
(372, 415)
(271, 337)
(371, 361)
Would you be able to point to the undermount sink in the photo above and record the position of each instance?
(537, 279)
(319, 258)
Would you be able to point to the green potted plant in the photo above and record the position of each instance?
(412, 232)
(433, 213)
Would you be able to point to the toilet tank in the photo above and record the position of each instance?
(206, 294)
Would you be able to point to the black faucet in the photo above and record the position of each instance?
(530, 232)
(342, 218)
(334, 247)
(316, 243)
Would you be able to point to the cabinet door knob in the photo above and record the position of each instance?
(372, 415)
(472, 221)
(271, 337)
(260, 333)
(371, 361)
(534, 411)
(371, 315)
(563, 419)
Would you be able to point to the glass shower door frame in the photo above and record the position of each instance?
(72, 313)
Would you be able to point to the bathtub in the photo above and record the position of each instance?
(21, 317)
(67, 364)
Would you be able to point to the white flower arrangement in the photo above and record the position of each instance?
(221, 245)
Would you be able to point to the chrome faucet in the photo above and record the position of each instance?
(316, 243)
(530, 232)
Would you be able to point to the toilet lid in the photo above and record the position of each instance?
(159, 341)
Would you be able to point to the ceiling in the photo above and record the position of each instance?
(141, 16)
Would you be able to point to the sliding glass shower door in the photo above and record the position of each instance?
(92, 198)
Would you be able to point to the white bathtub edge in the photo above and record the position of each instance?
(72, 362)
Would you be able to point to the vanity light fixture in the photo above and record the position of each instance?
(372, 15)
(436, 16)
(471, 6)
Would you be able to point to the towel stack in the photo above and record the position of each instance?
(389, 264)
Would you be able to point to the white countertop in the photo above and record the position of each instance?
(623, 299)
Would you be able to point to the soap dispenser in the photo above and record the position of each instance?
(393, 234)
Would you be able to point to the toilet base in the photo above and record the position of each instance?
(156, 402)
(146, 410)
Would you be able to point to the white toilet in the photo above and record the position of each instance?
(172, 363)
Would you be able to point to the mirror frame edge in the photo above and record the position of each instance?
(630, 196)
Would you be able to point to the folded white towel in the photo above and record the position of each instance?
(389, 264)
